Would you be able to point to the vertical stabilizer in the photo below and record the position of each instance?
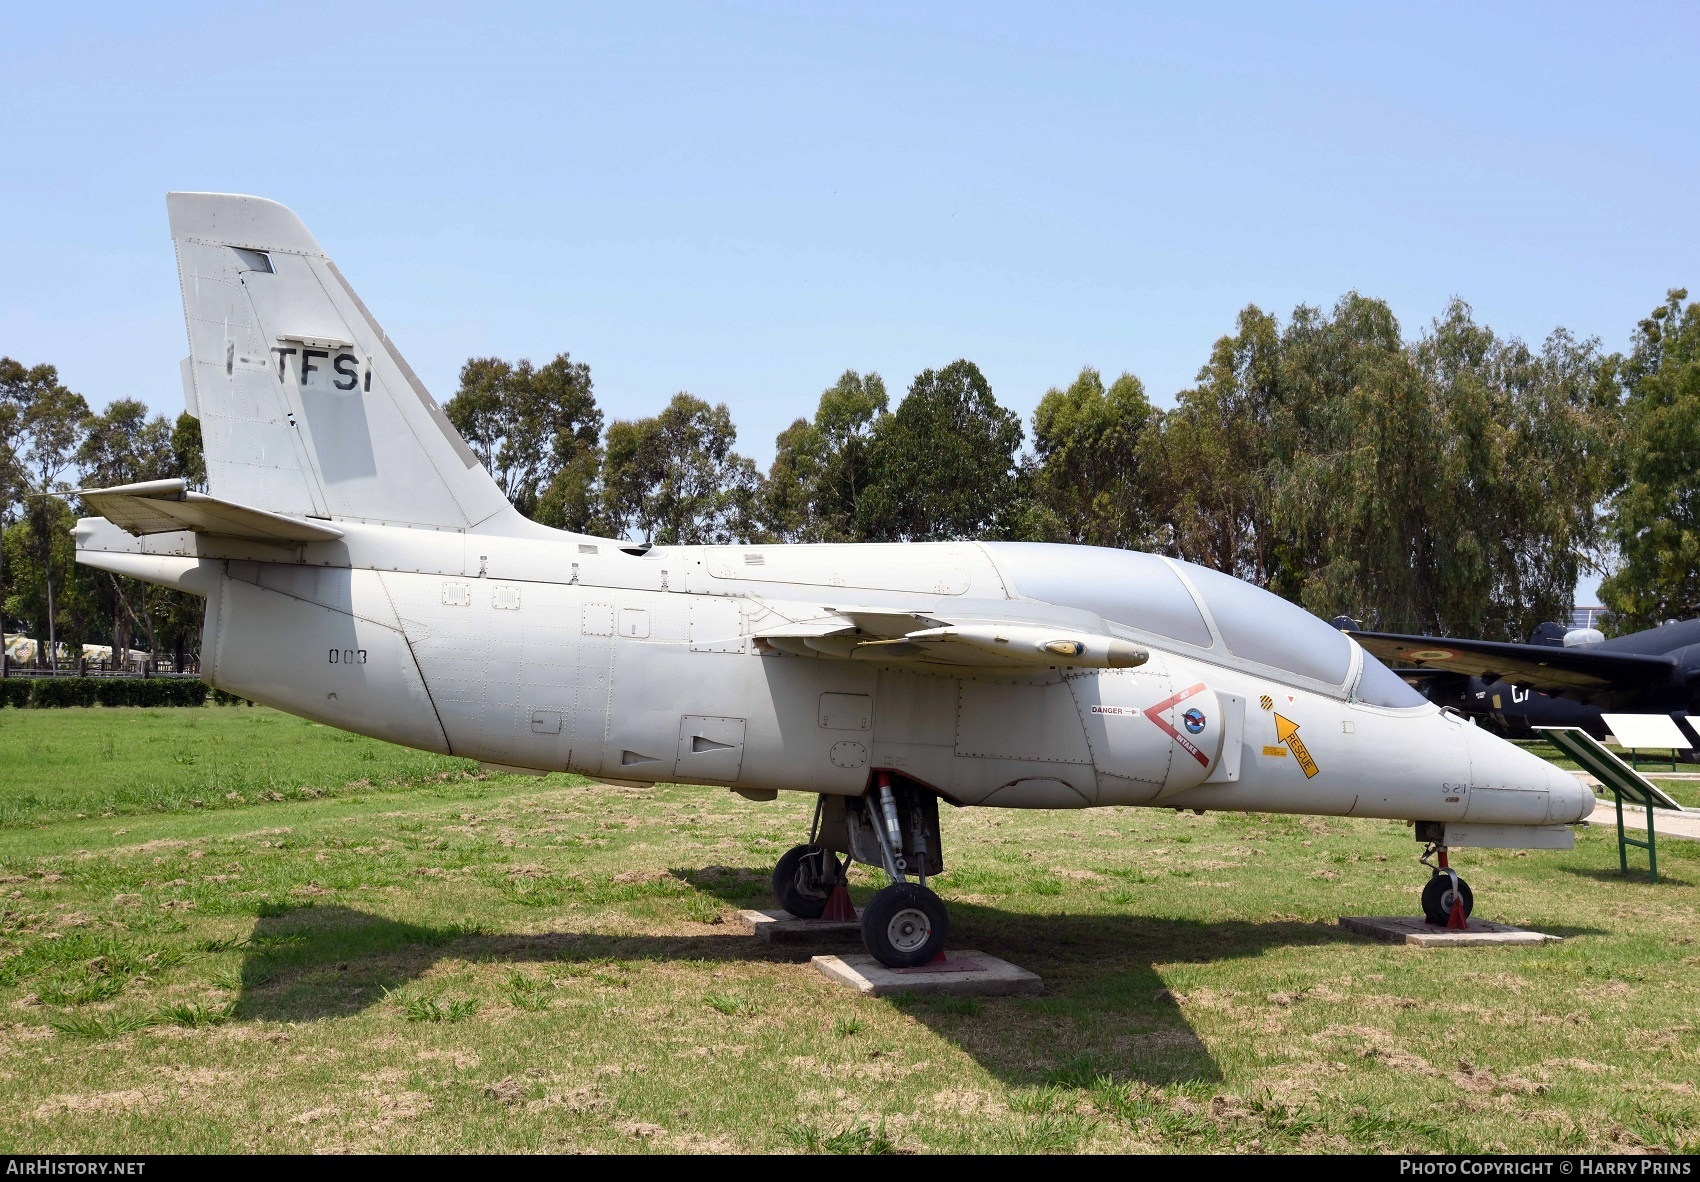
(305, 406)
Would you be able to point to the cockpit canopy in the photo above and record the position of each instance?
(1147, 592)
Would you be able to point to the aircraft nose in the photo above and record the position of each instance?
(1497, 763)
(1572, 800)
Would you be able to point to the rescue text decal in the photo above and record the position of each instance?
(1287, 731)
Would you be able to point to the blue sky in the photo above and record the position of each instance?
(742, 200)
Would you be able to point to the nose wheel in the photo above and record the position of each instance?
(1444, 894)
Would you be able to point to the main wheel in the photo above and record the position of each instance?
(1437, 899)
(800, 882)
(905, 925)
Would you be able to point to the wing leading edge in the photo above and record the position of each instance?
(1579, 671)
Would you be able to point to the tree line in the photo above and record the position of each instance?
(50, 438)
(1456, 481)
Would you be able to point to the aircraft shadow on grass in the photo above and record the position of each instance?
(1106, 1010)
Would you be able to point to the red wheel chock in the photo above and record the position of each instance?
(839, 906)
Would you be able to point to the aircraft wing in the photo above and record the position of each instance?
(904, 638)
(1578, 671)
(169, 506)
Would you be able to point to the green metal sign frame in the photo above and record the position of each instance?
(1624, 781)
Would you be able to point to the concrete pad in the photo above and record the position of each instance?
(960, 974)
(781, 927)
(1414, 929)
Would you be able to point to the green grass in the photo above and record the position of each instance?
(852, 1139)
(424, 958)
(63, 764)
(429, 1009)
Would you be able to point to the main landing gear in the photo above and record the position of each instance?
(904, 925)
(805, 878)
(895, 827)
(1447, 899)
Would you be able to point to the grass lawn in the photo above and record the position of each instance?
(228, 929)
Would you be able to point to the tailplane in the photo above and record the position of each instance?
(306, 408)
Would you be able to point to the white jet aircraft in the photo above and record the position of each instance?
(361, 569)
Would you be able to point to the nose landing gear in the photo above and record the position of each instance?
(1447, 900)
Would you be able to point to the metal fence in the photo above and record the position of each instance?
(148, 669)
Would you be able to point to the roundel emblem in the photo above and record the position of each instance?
(1194, 720)
(1432, 654)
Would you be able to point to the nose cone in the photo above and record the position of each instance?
(1572, 800)
(1498, 764)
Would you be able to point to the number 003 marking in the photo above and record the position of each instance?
(348, 656)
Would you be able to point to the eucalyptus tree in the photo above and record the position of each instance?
(1447, 484)
(123, 444)
(526, 423)
(1655, 516)
(188, 456)
(674, 479)
(1086, 475)
(45, 433)
(1206, 460)
(943, 464)
(1524, 463)
(822, 468)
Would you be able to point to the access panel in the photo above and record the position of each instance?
(710, 749)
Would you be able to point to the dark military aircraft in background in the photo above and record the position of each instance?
(1562, 677)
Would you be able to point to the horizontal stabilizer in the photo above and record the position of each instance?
(169, 506)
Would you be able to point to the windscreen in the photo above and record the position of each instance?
(1380, 686)
(1263, 627)
(1122, 586)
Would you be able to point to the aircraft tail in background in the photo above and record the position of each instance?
(306, 407)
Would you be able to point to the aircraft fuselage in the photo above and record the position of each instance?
(579, 656)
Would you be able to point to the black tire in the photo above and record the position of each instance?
(798, 883)
(905, 925)
(1437, 899)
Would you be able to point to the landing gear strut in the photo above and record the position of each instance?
(904, 924)
(895, 826)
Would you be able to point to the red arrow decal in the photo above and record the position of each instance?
(1153, 713)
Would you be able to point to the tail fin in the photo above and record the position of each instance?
(306, 407)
